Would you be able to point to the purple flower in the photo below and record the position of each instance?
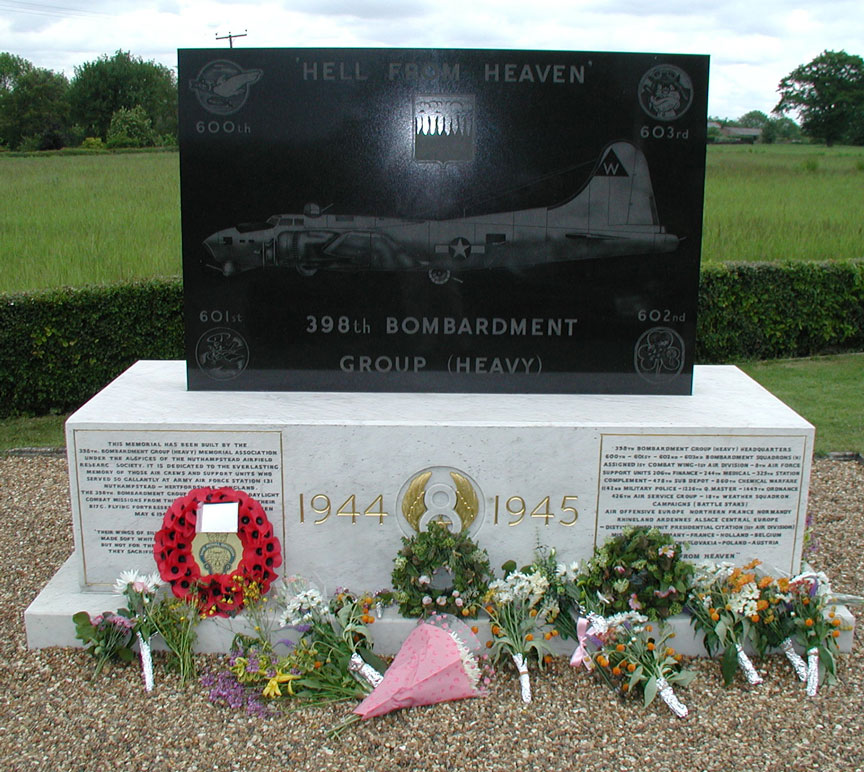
(226, 689)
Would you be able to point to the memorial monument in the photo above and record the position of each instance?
(436, 285)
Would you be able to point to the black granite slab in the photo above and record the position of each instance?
(441, 220)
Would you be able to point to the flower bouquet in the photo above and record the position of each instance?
(518, 609)
(439, 661)
(725, 603)
(562, 593)
(175, 620)
(773, 625)
(105, 636)
(140, 593)
(331, 661)
(815, 626)
(630, 658)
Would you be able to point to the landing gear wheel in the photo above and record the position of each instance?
(439, 275)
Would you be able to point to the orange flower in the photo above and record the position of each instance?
(466, 612)
(529, 637)
(836, 622)
(754, 618)
(805, 601)
(650, 646)
(625, 687)
(761, 605)
(495, 630)
(602, 661)
(835, 633)
(547, 659)
(670, 652)
(808, 622)
(630, 667)
(616, 670)
(554, 633)
(752, 564)
(783, 584)
(715, 617)
(547, 636)
(318, 663)
(764, 582)
(532, 612)
(475, 629)
(490, 610)
(649, 628)
(620, 647)
(488, 644)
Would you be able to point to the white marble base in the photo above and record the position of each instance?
(49, 623)
(725, 470)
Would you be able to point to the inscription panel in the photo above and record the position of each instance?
(126, 480)
(727, 497)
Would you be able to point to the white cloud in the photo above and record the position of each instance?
(752, 47)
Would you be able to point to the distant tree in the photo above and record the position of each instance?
(131, 128)
(35, 111)
(755, 119)
(781, 130)
(102, 87)
(827, 94)
(11, 68)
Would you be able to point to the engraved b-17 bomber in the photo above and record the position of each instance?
(612, 215)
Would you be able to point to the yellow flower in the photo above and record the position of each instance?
(272, 689)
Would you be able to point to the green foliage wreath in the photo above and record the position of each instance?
(437, 548)
(639, 570)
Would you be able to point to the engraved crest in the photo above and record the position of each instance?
(444, 127)
(444, 495)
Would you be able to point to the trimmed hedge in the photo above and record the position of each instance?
(58, 348)
(771, 310)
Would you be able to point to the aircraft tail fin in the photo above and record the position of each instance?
(618, 195)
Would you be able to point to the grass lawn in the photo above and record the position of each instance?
(825, 390)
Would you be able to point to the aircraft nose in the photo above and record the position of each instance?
(214, 243)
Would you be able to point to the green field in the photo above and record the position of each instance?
(84, 219)
(779, 202)
(88, 219)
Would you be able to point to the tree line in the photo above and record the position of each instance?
(119, 101)
(123, 101)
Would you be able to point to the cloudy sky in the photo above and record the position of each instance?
(752, 43)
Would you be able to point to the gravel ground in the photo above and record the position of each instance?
(56, 718)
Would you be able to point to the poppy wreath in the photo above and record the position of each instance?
(216, 594)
